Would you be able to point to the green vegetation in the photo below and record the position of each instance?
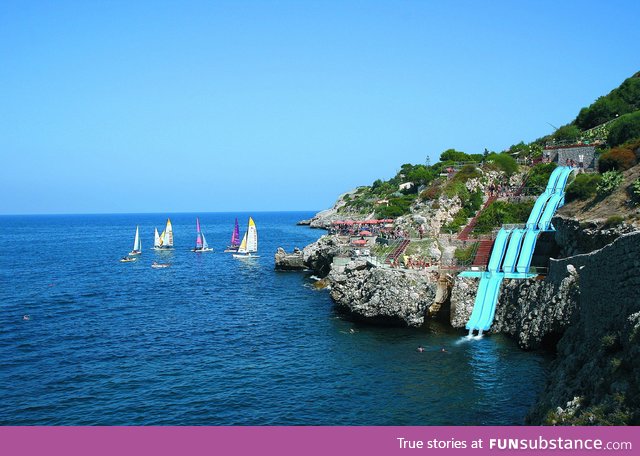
(622, 100)
(610, 181)
(504, 162)
(539, 176)
(501, 212)
(523, 150)
(397, 207)
(465, 255)
(625, 129)
(583, 187)
(568, 133)
(452, 155)
(613, 221)
(471, 203)
(635, 189)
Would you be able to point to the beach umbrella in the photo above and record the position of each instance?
(359, 242)
(365, 233)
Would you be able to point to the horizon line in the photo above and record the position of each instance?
(153, 213)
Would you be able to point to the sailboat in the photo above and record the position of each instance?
(235, 239)
(137, 245)
(201, 242)
(164, 241)
(249, 244)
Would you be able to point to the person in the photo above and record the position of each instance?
(26, 317)
(420, 348)
(443, 350)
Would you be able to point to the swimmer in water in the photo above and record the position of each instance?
(420, 349)
(26, 317)
(352, 331)
(443, 350)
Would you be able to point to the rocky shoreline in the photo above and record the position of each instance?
(585, 309)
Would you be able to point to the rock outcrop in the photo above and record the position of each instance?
(290, 261)
(381, 295)
(575, 238)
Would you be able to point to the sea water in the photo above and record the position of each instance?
(212, 340)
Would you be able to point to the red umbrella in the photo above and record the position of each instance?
(349, 222)
(359, 242)
(365, 233)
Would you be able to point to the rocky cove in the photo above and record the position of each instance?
(586, 310)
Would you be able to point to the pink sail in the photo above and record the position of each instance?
(199, 235)
(235, 237)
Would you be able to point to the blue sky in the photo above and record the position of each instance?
(110, 106)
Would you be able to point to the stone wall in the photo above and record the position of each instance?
(598, 358)
(562, 154)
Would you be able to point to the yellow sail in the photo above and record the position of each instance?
(243, 244)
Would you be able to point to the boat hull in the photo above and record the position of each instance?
(202, 250)
(245, 256)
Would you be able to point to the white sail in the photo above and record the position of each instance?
(252, 237)
(136, 242)
(167, 235)
(156, 240)
(204, 243)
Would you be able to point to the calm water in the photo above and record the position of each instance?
(216, 341)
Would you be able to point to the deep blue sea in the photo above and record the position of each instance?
(217, 341)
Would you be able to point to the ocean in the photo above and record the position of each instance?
(211, 340)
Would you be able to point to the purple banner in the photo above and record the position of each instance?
(283, 441)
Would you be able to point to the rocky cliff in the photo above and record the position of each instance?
(388, 296)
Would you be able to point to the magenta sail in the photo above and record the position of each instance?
(235, 237)
(198, 235)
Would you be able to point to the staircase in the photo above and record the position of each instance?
(483, 253)
(464, 234)
(393, 256)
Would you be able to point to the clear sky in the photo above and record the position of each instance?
(157, 106)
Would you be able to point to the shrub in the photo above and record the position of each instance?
(618, 159)
(610, 181)
(459, 220)
(635, 189)
(466, 254)
(539, 177)
(467, 172)
(583, 187)
(570, 133)
(501, 212)
(397, 207)
(504, 162)
(431, 193)
(612, 221)
(625, 129)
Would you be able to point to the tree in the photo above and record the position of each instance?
(453, 155)
(625, 129)
(569, 133)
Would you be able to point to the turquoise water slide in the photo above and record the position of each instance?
(489, 284)
(513, 250)
(549, 210)
(537, 210)
(562, 178)
(499, 247)
(490, 301)
(553, 179)
(516, 247)
(526, 252)
(478, 304)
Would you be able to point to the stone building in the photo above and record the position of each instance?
(564, 155)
